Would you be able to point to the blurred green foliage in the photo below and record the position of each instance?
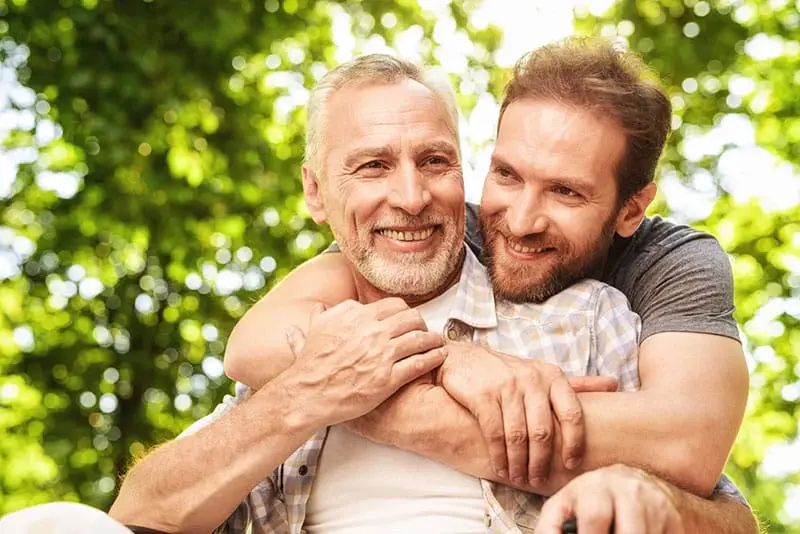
(156, 146)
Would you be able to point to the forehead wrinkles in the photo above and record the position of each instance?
(386, 115)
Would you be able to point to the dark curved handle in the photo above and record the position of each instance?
(142, 530)
(570, 526)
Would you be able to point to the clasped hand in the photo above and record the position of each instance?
(517, 403)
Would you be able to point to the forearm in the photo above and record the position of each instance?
(194, 483)
(650, 430)
(257, 350)
(425, 420)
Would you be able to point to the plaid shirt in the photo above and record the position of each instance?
(587, 329)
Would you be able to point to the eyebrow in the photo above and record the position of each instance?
(445, 147)
(390, 152)
(373, 152)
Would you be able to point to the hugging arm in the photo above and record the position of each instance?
(257, 350)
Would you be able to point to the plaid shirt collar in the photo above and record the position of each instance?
(474, 302)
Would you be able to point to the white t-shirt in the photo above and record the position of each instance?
(362, 487)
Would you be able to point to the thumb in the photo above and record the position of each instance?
(296, 339)
(593, 384)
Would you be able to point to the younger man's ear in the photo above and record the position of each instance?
(312, 194)
(632, 212)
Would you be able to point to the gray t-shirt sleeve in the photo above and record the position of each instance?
(725, 488)
(688, 289)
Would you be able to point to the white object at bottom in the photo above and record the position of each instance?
(60, 518)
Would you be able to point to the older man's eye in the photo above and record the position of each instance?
(373, 165)
(436, 160)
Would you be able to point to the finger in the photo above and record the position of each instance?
(383, 308)
(595, 512)
(515, 429)
(539, 419)
(405, 321)
(674, 524)
(415, 342)
(630, 516)
(490, 419)
(296, 339)
(556, 510)
(569, 413)
(593, 384)
(413, 367)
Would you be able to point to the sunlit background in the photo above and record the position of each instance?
(149, 193)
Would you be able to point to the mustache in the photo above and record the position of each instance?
(493, 227)
(409, 221)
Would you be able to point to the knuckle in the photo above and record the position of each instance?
(540, 434)
(595, 512)
(572, 416)
(396, 302)
(418, 338)
(516, 437)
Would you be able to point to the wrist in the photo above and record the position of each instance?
(302, 410)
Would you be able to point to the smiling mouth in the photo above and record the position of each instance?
(518, 247)
(407, 235)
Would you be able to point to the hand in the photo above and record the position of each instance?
(619, 497)
(511, 398)
(355, 356)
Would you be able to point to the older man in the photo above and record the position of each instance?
(388, 185)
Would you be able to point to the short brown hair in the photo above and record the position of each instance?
(606, 80)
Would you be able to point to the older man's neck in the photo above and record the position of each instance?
(368, 293)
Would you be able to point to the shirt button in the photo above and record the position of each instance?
(303, 470)
(487, 520)
(452, 334)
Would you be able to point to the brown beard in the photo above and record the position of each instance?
(518, 282)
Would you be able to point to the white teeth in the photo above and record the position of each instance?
(525, 250)
(419, 235)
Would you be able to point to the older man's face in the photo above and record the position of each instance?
(392, 187)
(549, 209)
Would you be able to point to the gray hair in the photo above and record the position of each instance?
(365, 70)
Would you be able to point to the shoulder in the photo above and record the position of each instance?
(662, 253)
(658, 240)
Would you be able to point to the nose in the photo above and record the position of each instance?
(409, 190)
(527, 215)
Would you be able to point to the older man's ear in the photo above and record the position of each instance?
(313, 196)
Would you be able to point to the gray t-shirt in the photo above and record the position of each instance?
(676, 278)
